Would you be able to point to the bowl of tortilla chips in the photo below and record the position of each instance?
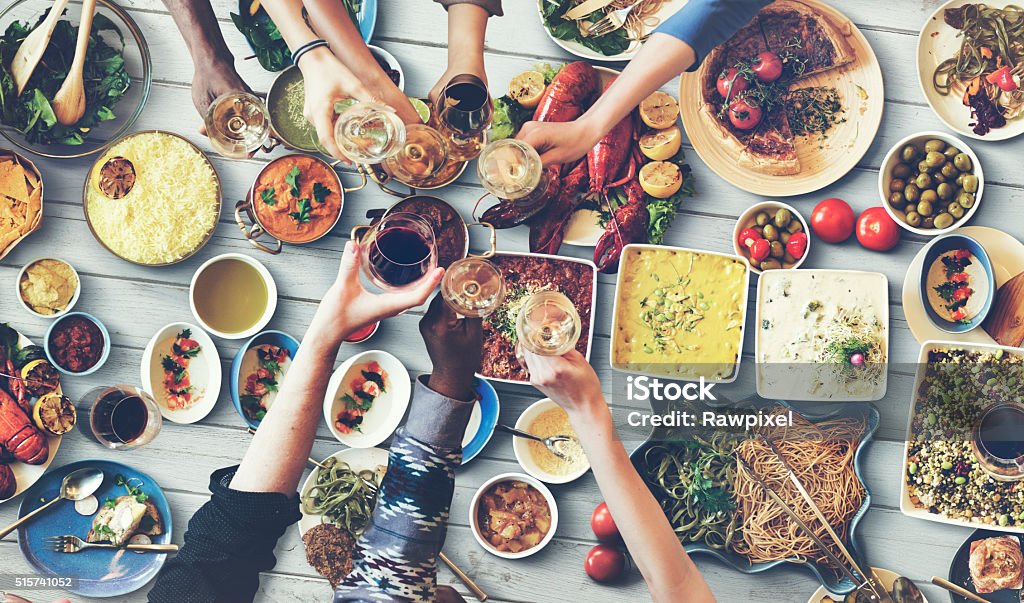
(21, 200)
(48, 287)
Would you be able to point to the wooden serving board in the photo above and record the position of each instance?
(822, 163)
(1005, 323)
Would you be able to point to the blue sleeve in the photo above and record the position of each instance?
(704, 24)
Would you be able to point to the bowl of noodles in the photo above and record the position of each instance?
(718, 509)
(152, 198)
(619, 45)
(961, 50)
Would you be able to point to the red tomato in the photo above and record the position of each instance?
(744, 113)
(604, 563)
(731, 83)
(603, 525)
(767, 67)
(759, 250)
(747, 238)
(832, 220)
(876, 230)
(797, 244)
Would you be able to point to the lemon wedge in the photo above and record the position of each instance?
(659, 110)
(661, 179)
(661, 144)
(527, 88)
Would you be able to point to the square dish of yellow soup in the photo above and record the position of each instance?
(679, 313)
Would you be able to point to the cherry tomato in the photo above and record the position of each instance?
(760, 249)
(876, 230)
(832, 220)
(767, 67)
(604, 563)
(603, 525)
(797, 244)
(1003, 78)
(744, 113)
(959, 314)
(747, 238)
(962, 293)
(730, 83)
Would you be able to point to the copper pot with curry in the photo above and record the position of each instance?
(451, 232)
(295, 199)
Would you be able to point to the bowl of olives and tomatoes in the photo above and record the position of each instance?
(931, 183)
(771, 236)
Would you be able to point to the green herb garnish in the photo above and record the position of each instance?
(320, 192)
(302, 216)
(268, 196)
(292, 179)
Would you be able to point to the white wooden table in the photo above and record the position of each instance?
(134, 302)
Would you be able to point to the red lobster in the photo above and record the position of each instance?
(18, 435)
(547, 231)
(606, 159)
(570, 93)
(628, 224)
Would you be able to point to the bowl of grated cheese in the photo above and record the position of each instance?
(544, 419)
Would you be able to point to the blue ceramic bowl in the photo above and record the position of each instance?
(276, 338)
(489, 410)
(98, 573)
(828, 577)
(945, 244)
(106, 343)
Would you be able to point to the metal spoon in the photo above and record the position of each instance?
(551, 443)
(76, 486)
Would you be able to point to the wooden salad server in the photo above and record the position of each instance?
(69, 103)
(1005, 323)
(34, 45)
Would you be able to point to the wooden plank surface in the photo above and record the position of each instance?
(134, 302)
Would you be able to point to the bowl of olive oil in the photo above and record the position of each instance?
(233, 296)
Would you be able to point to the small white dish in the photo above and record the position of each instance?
(204, 372)
(521, 477)
(521, 446)
(74, 298)
(918, 140)
(268, 279)
(749, 219)
(384, 416)
(358, 459)
(392, 62)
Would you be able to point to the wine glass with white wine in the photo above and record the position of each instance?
(369, 133)
(237, 124)
(473, 287)
(547, 325)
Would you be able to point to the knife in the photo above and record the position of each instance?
(585, 8)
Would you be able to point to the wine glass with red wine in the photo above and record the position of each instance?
(398, 251)
(122, 417)
(464, 111)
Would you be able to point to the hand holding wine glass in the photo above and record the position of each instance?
(348, 305)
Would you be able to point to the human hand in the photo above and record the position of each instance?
(212, 79)
(348, 306)
(328, 80)
(568, 380)
(559, 142)
(455, 346)
(461, 66)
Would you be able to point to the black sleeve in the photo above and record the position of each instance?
(229, 541)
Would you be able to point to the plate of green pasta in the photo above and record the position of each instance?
(342, 490)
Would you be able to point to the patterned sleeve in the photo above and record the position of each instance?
(397, 555)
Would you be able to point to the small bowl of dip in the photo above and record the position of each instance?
(77, 344)
(48, 287)
(957, 283)
(233, 296)
(545, 419)
(518, 501)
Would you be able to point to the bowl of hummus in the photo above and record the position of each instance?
(957, 283)
(48, 287)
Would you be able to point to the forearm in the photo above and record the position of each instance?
(467, 24)
(287, 16)
(277, 454)
(334, 24)
(669, 572)
(198, 25)
(662, 58)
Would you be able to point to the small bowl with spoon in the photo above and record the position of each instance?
(559, 458)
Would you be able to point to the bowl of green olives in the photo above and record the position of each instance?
(771, 236)
(931, 183)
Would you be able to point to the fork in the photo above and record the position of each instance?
(74, 544)
(613, 21)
